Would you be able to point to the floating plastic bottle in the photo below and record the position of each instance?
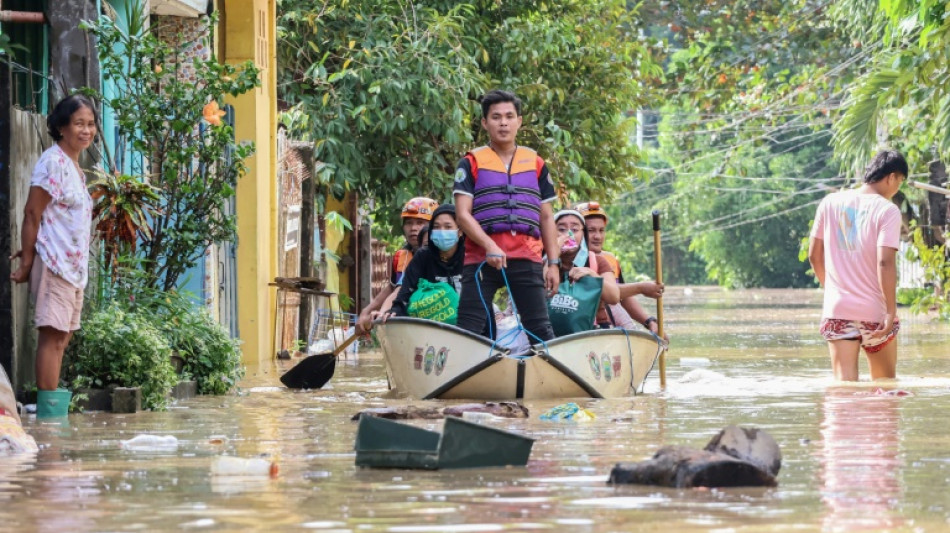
(225, 465)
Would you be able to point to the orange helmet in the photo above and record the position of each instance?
(591, 209)
(419, 207)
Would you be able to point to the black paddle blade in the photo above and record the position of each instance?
(312, 372)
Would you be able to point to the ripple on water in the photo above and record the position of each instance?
(447, 528)
(621, 502)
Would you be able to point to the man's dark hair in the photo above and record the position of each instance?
(884, 163)
(63, 113)
(497, 96)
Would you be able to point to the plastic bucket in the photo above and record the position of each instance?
(52, 403)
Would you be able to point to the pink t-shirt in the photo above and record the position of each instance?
(853, 225)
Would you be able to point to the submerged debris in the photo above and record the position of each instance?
(502, 409)
(751, 445)
(407, 412)
(736, 457)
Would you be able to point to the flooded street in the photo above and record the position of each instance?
(853, 460)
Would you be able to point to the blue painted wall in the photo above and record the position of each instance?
(130, 162)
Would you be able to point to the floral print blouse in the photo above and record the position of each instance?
(66, 225)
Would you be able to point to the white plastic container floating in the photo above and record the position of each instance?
(224, 465)
(150, 443)
(478, 416)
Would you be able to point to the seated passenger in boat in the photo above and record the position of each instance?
(628, 310)
(577, 261)
(423, 237)
(416, 214)
(440, 261)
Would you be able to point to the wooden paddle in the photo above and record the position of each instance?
(659, 301)
(314, 371)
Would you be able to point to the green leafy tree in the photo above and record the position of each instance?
(383, 90)
(580, 67)
(936, 267)
(903, 100)
(742, 146)
(387, 90)
(630, 234)
(193, 159)
(751, 228)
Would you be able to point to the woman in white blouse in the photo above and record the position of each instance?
(55, 235)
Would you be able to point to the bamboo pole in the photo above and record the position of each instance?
(658, 262)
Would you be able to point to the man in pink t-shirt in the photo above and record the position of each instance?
(853, 251)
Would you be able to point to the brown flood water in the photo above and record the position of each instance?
(853, 461)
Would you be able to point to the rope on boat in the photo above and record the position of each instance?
(488, 312)
(633, 373)
(659, 348)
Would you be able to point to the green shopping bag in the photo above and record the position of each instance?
(434, 301)
(574, 307)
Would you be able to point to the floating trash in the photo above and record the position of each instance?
(477, 416)
(13, 439)
(382, 443)
(150, 443)
(886, 392)
(225, 465)
(567, 411)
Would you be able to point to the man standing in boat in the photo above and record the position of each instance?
(416, 215)
(853, 251)
(503, 194)
(628, 310)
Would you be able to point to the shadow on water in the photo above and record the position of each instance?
(854, 459)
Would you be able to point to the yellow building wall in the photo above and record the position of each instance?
(338, 282)
(248, 33)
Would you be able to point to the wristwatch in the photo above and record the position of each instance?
(552, 261)
(646, 323)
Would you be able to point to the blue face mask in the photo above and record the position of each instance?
(444, 239)
(581, 258)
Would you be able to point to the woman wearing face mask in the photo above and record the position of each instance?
(441, 260)
(576, 260)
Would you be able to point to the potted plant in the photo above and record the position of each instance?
(121, 347)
